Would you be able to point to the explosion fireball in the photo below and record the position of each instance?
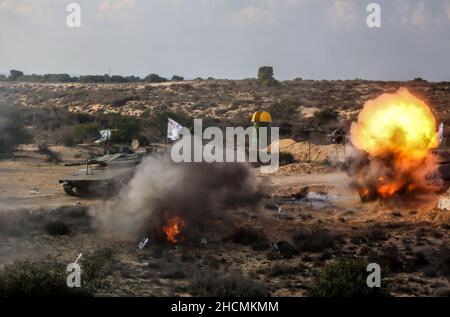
(397, 133)
(173, 228)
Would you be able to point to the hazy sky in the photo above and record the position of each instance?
(318, 39)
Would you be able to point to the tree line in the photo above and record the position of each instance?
(17, 75)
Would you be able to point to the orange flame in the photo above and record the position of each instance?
(173, 228)
(400, 127)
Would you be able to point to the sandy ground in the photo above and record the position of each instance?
(29, 188)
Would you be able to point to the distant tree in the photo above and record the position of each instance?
(56, 78)
(154, 78)
(15, 74)
(117, 79)
(92, 79)
(420, 79)
(265, 76)
(3, 77)
(177, 78)
(132, 79)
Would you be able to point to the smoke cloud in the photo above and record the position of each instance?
(160, 189)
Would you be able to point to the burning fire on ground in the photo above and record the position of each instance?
(396, 133)
(172, 229)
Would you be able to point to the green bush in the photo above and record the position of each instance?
(24, 278)
(315, 240)
(96, 267)
(211, 283)
(125, 129)
(326, 114)
(86, 132)
(285, 109)
(342, 278)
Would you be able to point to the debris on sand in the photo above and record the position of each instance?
(444, 201)
(143, 243)
(34, 191)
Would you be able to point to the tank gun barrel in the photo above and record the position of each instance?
(85, 162)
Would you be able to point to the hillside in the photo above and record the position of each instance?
(218, 99)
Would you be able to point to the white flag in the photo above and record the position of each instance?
(173, 129)
(441, 132)
(105, 135)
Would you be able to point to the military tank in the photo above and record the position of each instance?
(101, 176)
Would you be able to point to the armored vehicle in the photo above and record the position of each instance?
(101, 176)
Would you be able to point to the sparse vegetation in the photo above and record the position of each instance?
(282, 269)
(96, 267)
(213, 283)
(24, 278)
(252, 237)
(315, 240)
(342, 278)
(86, 132)
(12, 129)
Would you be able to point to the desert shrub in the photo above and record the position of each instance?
(251, 237)
(121, 101)
(342, 278)
(326, 114)
(282, 269)
(96, 267)
(440, 262)
(315, 240)
(24, 278)
(285, 109)
(212, 283)
(173, 273)
(12, 129)
(187, 256)
(126, 129)
(57, 228)
(390, 260)
(286, 158)
(86, 132)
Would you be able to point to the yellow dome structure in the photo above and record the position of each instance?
(261, 117)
